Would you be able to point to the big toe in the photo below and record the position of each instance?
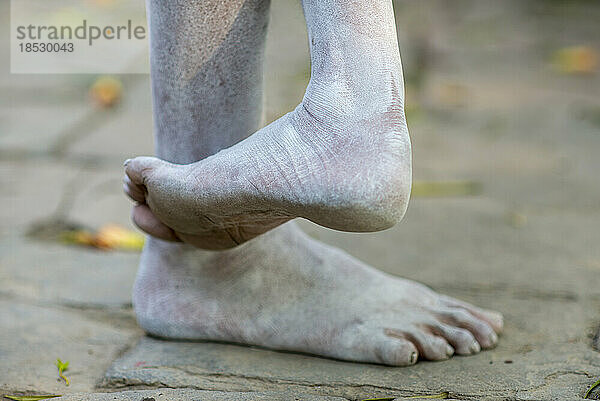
(395, 351)
(143, 217)
(374, 345)
(139, 169)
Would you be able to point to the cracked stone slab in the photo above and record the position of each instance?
(557, 371)
(34, 336)
(186, 394)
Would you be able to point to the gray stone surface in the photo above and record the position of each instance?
(512, 371)
(66, 275)
(32, 190)
(484, 104)
(41, 133)
(132, 121)
(525, 246)
(167, 394)
(34, 335)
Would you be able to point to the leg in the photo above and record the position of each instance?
(206, 69)
(340, 159)
(282, 290)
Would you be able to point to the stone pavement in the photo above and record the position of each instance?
(484, 104)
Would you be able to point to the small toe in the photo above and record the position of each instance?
(429, 346)
(479, 328)
(493, 318)
(461, 339)
(143, 217)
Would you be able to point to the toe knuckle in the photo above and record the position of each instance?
(464, 335)
(483, 327)
(461, 315)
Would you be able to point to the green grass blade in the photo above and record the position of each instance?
(587, 393)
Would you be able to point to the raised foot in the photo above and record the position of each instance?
(287, 291)
(350, 176)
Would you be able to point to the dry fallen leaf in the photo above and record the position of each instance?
(443, 395)
(108, 237)
(576, 60)
(106, 91)
(31, 397)
(112, 236)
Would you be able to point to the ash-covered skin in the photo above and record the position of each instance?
(284, 290)
(341, 159)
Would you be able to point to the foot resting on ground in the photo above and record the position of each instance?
(287, 291)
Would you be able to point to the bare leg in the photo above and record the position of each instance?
(340, 159)
(206, 60)
(206, 68)
(281, 290)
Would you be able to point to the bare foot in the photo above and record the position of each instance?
(287, 291)
(342, 172)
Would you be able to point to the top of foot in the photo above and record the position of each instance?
(287, 291)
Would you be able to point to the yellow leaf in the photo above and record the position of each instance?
(576, 60)
(106, 91)
(31, 397)
(443, 395)
(79, 237)
(112, 236)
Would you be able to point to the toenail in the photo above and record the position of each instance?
(474, 348)
(493, 338)
(413, 357)
(449, 350)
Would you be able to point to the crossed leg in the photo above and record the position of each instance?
(323, 161)
(340, 159)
